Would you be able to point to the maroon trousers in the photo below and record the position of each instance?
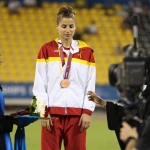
(66, 129)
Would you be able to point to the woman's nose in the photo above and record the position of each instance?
(67, 29)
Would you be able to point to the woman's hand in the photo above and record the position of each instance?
(47, 123)
(84, 122)
(92, 96)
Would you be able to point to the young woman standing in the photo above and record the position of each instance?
(65, 71)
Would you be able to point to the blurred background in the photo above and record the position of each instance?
(25, 25)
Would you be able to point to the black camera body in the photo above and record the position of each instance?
(130, 74)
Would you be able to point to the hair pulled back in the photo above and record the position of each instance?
(65, 12)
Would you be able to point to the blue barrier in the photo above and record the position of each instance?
(24, 91)
(107, 92)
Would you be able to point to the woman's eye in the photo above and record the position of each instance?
(71, 26)
(63, 26)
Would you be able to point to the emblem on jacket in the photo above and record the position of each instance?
(56, 51)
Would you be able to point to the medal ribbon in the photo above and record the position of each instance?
(62, 56)
(63, 62)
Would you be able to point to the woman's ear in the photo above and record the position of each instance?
(56, 26)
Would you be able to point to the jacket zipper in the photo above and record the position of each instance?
(66, 103)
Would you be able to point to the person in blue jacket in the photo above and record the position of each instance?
(6, 126)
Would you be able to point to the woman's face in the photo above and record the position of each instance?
(66, 28)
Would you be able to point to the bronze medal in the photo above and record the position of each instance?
(64, 83)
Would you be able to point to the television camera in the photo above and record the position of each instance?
(129, 76)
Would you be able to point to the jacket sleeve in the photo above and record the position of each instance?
(89, 106)
(40, 80)
(143, 142)
(115, 113)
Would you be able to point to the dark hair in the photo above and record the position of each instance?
(65, 12)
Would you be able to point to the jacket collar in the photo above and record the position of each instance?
(74, 45)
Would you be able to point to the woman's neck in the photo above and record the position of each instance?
(66, 43)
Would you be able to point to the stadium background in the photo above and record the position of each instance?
(21, 37)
